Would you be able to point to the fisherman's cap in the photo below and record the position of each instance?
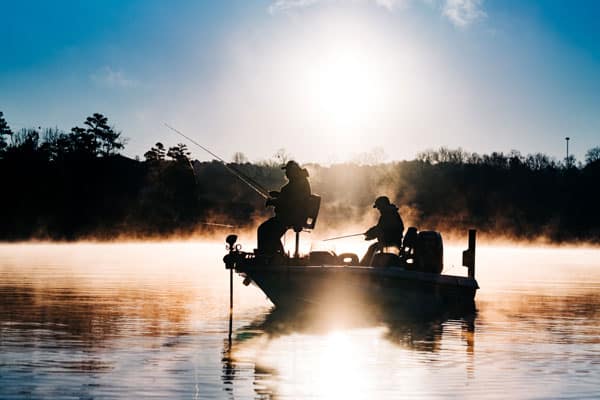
(291, 165)
(381, 201)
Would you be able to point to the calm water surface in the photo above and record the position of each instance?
(89, 321)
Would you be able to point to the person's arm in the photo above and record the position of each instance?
(372, 233)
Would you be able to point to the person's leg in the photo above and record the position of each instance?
(278, 231)
(262, 236)
(366, 260)
(268, 236)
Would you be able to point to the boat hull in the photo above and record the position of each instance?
(334, 286)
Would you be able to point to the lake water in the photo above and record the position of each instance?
(90, 321)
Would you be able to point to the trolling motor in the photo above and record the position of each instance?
(232, 257)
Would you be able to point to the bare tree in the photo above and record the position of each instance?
(592, 155)
(281, 156)
(239, 158)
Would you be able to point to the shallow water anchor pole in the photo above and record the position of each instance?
(230, 263)
(230, 303)
(469, 254)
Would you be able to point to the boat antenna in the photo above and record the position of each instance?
(343, 237)
(257, 187)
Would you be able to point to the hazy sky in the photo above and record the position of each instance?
(324, 79)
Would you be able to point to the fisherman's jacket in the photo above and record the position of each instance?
(390, 227)
(290, 205)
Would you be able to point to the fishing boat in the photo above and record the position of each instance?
(410, 277)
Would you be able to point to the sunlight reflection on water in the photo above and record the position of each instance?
(129, 320)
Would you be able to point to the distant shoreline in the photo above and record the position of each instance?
(71, 186)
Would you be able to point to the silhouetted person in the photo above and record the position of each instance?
(290, 209)
(388, 230)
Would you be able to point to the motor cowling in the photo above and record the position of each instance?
(429, 252)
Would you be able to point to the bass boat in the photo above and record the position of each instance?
(410, 277)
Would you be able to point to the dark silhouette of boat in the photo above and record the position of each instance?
(410, 278)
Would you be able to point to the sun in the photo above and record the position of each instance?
(344, 87)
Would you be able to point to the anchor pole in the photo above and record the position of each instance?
(230, 303)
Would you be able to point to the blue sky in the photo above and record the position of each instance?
(328, 80)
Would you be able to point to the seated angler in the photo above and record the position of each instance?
(388, 230)
(290, 209)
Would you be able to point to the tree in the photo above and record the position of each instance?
(515, 159)
(81, 141)
(570, 161)
(446, 155)
(375, 156)
(156, 153)
(106, 138)
(4, 130)
(25, 141)
(539, 162)
(179, 152)
(281, 156)
(55, 143)
(592, 155)
(239, 158)
(496, 160)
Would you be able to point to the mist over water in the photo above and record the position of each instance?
(150, 320)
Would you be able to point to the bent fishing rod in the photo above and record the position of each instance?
(257, 187)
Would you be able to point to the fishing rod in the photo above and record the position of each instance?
(220, 225)
(257, 187)
(343, 237)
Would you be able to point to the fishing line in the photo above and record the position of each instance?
(343, 237)
(257, 187)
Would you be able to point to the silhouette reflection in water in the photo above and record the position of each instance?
(407, 331)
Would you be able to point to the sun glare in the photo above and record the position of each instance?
(344, 87)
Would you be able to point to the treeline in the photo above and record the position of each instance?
(75, 185)
(509, 195)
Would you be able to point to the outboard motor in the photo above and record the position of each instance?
(429, 252)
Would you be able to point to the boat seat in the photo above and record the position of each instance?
(312, 211)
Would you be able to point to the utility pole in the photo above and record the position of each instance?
(568, 162)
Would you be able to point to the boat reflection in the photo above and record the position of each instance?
(402, 327)
(338, 344)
